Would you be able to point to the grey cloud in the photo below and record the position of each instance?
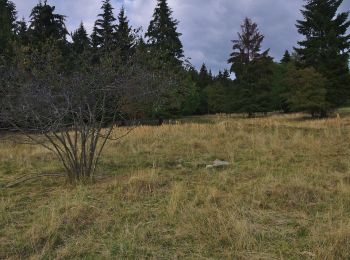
(207, 26)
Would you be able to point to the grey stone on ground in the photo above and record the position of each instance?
(218, 164)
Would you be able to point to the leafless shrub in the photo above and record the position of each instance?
(74, 113)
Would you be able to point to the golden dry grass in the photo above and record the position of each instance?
(286, 194)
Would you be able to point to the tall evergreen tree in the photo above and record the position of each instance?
(22, 32)
(204, 76)
(286, 57)
(46, 24)
(94, 38)
(124, 35)
(81, 41)
(253, 69)
(247, 48)
(326, 46)
(105, 26)
(7, 24)
(204, 80)
(162, 32)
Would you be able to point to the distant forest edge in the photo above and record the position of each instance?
(156, 81)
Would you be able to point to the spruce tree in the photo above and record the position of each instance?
(162, 32)
(253, 69)
(22, 32)
(80, 38)
(105, 26)
(204, 80)
(326, 46)
(7, 25)
(124, 36)
(286, 58)
(204, 76)
(45, 24)
(94, 38)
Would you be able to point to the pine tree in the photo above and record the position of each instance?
(45, 24)
(105, 26)
(94, 38)
(7, 25)
(22, 32)
(226, 74)
(162, 32)
(253, 69)
(204, 77)
(124, 35)
(286, 57)
(81, 41)
(204, 80)
(326, 46)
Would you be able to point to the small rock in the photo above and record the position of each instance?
(219, 163)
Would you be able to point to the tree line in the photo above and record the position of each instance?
(313, 77)
(69, 95)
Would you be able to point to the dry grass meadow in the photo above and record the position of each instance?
(286, 194)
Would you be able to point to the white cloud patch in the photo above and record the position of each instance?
(207, 26)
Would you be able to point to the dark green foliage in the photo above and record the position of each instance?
(81, 41)
(220, 94)
(255, 94)
(192, 99)
(204, 80)
(205, 77)
(94, 39)
(326, 46)
(7, 25)
(260, 85)
(170, 97)
(49, 51)
(125, 36)
(22, 35)
(307, 91)
(104, 31)
(280, 90)
(253, 69)
(45, 24)
(286, 57)
(162, 33)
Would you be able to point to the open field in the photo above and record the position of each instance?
(286, 194)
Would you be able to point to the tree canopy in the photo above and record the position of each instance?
(46, 24)
(326, 46)
(8, 16)
(162, 32)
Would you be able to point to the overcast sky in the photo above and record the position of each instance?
(207, 26)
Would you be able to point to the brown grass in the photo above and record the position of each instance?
(286, 194)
